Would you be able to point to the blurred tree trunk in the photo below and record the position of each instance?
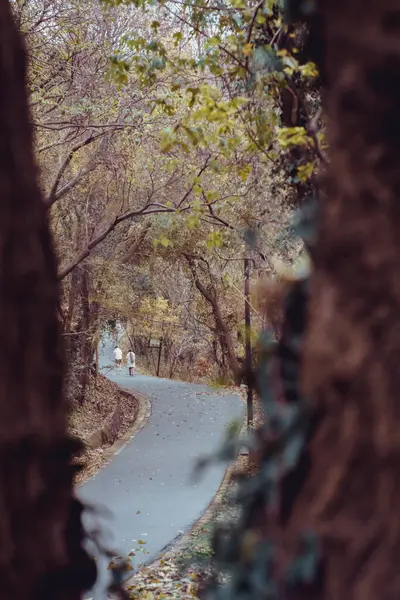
(41, 536)
(353, 345)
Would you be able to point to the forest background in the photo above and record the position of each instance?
(175, 140)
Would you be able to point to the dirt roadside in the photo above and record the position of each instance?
(107, 415)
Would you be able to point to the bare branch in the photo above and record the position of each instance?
(72, 183)
(52, 197)
(216, 217)
(313, 130)
(150, 208)
(60, 125)
(203, 34)
(199, 173)
(52, 145)
(253, 19)
(101, 236)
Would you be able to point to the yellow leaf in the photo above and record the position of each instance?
(304, 172)
(164, 241)
(247, 49)
(197, 189)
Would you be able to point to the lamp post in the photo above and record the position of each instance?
(247, 333)
(157, 343)
(159, 358)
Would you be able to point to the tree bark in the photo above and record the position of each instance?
(79, 338)
(41, 536)
(351, 363)
(224, 334)
(86, 341)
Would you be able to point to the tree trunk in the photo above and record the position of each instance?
(41, 536)
(86, 356)
(71, 302)
(352, 355)
(224, 334)
(96, 373)
(79, 338)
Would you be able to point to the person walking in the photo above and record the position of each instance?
(118, 357)
(131, 361)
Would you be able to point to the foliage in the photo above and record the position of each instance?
(246, 555)
(162, 134)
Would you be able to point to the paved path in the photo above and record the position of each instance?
(147, 488)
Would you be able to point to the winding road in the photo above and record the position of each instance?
(147, 489)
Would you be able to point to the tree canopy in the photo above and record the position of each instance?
(172, 138)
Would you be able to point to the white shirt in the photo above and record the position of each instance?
(131, 359)
(118, 354)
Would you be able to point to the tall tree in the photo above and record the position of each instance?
(41, 536)
(353, 342)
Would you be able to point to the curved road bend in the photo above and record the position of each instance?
(147, 489)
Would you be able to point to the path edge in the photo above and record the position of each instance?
(142, 417)
(180, 542)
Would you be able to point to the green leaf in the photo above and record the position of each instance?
(212, 195)
(244, 172)
(193, 221)
(214, 41)
(215, 166)
(214, 240)
(178, 36)
(292, 136)
(304, 172)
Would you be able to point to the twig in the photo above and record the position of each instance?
(251, 25)
(313, 130)
(52, 197)
(72, 183)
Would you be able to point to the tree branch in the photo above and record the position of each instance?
(226, 342)
(68, 186)
(216, 217)
(101, 236)
(199, 173)
(313, 130)
(150, 208)
(253, 20)
(53, 192)
(52, 145)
